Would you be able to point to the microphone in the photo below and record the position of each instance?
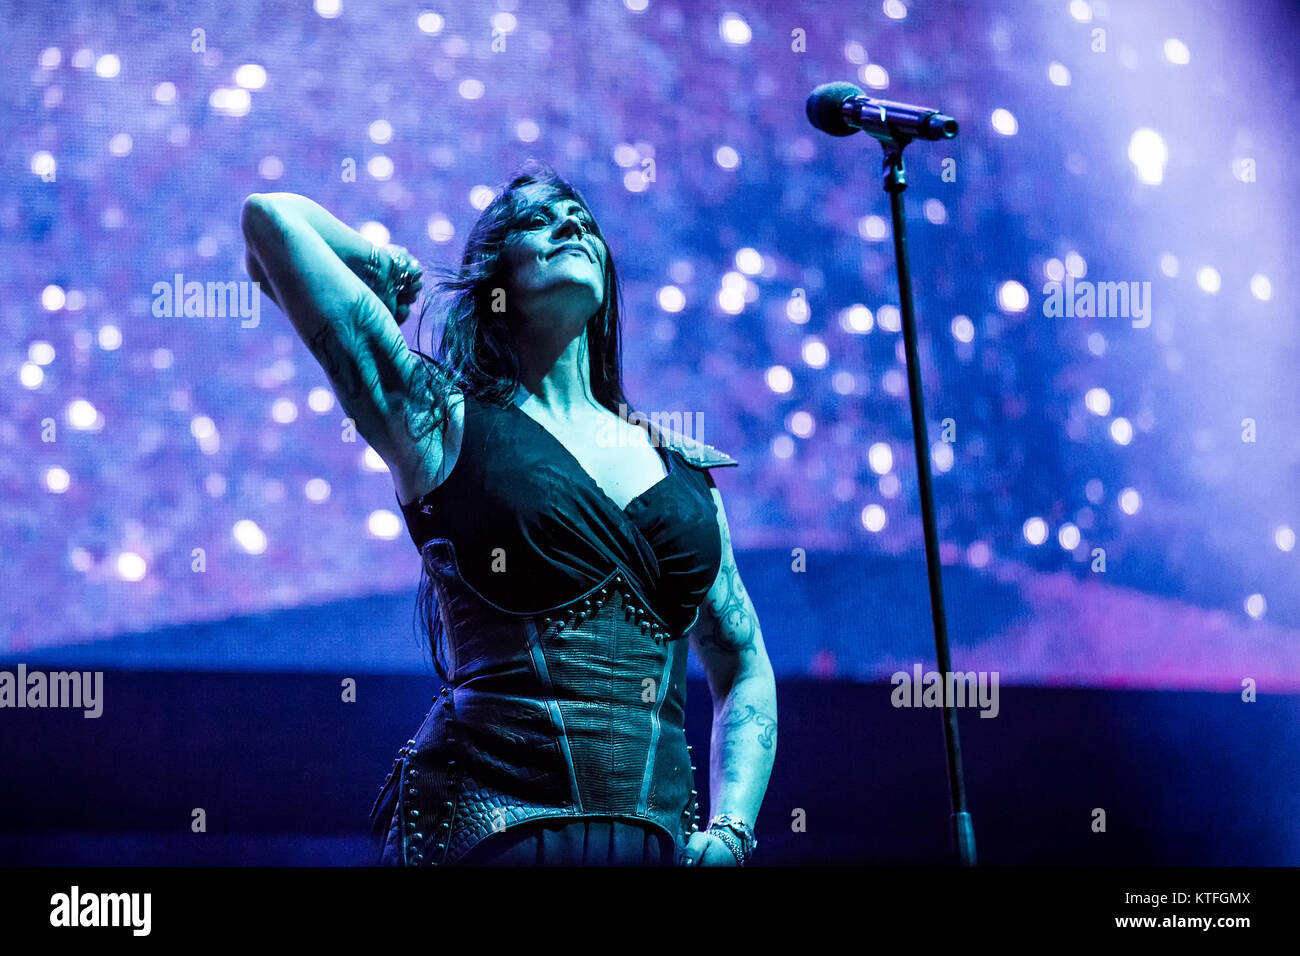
(841, 109)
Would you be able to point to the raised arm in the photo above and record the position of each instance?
(729, 643)
(310, 265)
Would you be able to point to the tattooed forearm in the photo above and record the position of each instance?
(744, 747)
(751, 716)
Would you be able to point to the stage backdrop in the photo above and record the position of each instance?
(1105, 273)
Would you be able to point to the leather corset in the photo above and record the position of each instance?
(576, 711)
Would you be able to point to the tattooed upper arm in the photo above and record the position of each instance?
(726, 636)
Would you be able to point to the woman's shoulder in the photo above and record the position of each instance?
(694, 452)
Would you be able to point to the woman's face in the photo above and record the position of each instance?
(555, 264)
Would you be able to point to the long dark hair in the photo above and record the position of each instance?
(477, 352)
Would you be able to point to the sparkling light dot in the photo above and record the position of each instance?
(130, 566)
(1075, 265)
(726, 157)
(380, 167)
(875, 76)
(1176, 52)
(52, 298)
(1035, 531)
(250, 76)
(963, 329)
(1096, 343)
(43, 164)
(383, 524)
(880, 457)
(329, 9)
(1121, 431)
(1012, 296)
(110, 337)
(935, 212)
(429, 22)
(802, 424)
(1260, 287)
(1148, 153)
(527, 131)
(249, 536)
(1068, 537)
(57, 480)
(1208, 279)
(1004, 123)
(481, 196)
(204, 431)
(1097, 401)
(731, 300)
(873, 518)
(108, 66)
(231, 101)
(734, 30)
(82, 415)
(1081, 10)
(1130, 502)
(749, 261)
(41, 352)
(316, 489)
(779, 379)
(815, 352)
(31, 375)
(941, 455)
(381, 131)
(1169, 264)
(1255, 606)
(857, 319)
(51, 57)
(271, 167)
(1058, 74)
(440, 229)
(872, 228)
(783, 446)
(1284, 537)
(671, 299)
(978, 554)
(284, 411)
(471, 89)
(895, 9)
(371, 461)
(165, 92)
(504, 22)
(320, 399)
(375, 233)
(889, 318)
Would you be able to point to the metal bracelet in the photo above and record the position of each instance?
(730, 841)
(742, 831)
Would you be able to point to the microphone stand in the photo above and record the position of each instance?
(895, 181)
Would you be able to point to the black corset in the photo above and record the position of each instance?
(564, 674)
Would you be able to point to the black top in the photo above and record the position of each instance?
(531, 530)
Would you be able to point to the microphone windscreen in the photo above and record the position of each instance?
(824, 108)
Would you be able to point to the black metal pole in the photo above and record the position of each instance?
(963, 828)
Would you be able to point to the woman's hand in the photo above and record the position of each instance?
(401, 291)
(704, 849)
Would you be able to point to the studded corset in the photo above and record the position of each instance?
(563, 670)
